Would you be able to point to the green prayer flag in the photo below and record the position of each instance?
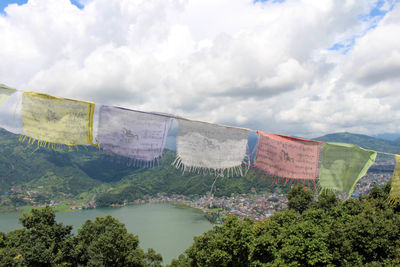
(342, 165)
(5, 93)
(394, 195)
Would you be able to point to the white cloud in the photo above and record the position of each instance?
(260, 65)
(362, 92)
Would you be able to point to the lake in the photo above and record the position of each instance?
(169, 229)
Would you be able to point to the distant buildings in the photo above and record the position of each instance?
(379, 174)
(253, 205)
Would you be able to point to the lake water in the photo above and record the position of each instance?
(167, 228)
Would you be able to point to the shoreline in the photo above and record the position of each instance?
(173, 203)
(215, 209)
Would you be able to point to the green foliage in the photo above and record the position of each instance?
(41, 242)
(223, 246)
(312, 232)
(105, 242)
(326, 200)
(107, 199)
(60, 175)
(50, 172)
(322, 232)
(44, 242)
(299, 198)
(169, 180)
(152, 258)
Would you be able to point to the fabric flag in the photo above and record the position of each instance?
(5, 93)
(342, 165)
(53, 120)
(287, 157)
(394, 195)
(210, 148)
(136, 135)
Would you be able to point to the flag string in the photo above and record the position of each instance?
(227, 126)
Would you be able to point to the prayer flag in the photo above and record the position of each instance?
(394, 195)
(342, 165)
(210, 148)
(133, 134)
(287, 157)
(5, 93)
(54, 120)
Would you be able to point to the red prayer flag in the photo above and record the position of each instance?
(288, 157)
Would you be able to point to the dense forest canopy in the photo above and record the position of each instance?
(46, 175)
(44, 242)
(312, 232)
(58, 174)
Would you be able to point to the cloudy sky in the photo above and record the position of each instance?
(297, 67)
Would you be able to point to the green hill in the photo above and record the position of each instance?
(36, 176)
(364, 141)
(28, 175)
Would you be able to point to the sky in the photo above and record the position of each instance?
(297, 67)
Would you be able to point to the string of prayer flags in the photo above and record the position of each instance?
(56, 121)
(5, 93)
(201, 147)
(288, 157)
(135, 135)
(394, 195)
(210, 148)
(342, 165)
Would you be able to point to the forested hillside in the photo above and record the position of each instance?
(46, 175)
(31, 176)
(363, 141)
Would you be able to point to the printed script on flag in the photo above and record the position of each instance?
(287, 157)
(206, 146)
(133, 134)
(57, 120)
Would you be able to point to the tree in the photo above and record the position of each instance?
(299, 198)
(327, 232)
(106, 242)
(326, 200)
(42, 241)
(152, 258)
(226, 245)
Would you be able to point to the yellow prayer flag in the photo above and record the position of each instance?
(57, 120)
(394, 195)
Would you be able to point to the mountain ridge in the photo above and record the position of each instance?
(364, 141)
(50, 175)
(86, 174)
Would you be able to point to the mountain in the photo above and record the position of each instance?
(59, 174)
(366, 142)
(363, 141)
(20, 164)
(43, 175)
(388, 136)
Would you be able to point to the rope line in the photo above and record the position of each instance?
(183, 118)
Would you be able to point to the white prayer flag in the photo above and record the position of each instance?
(210, 148)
